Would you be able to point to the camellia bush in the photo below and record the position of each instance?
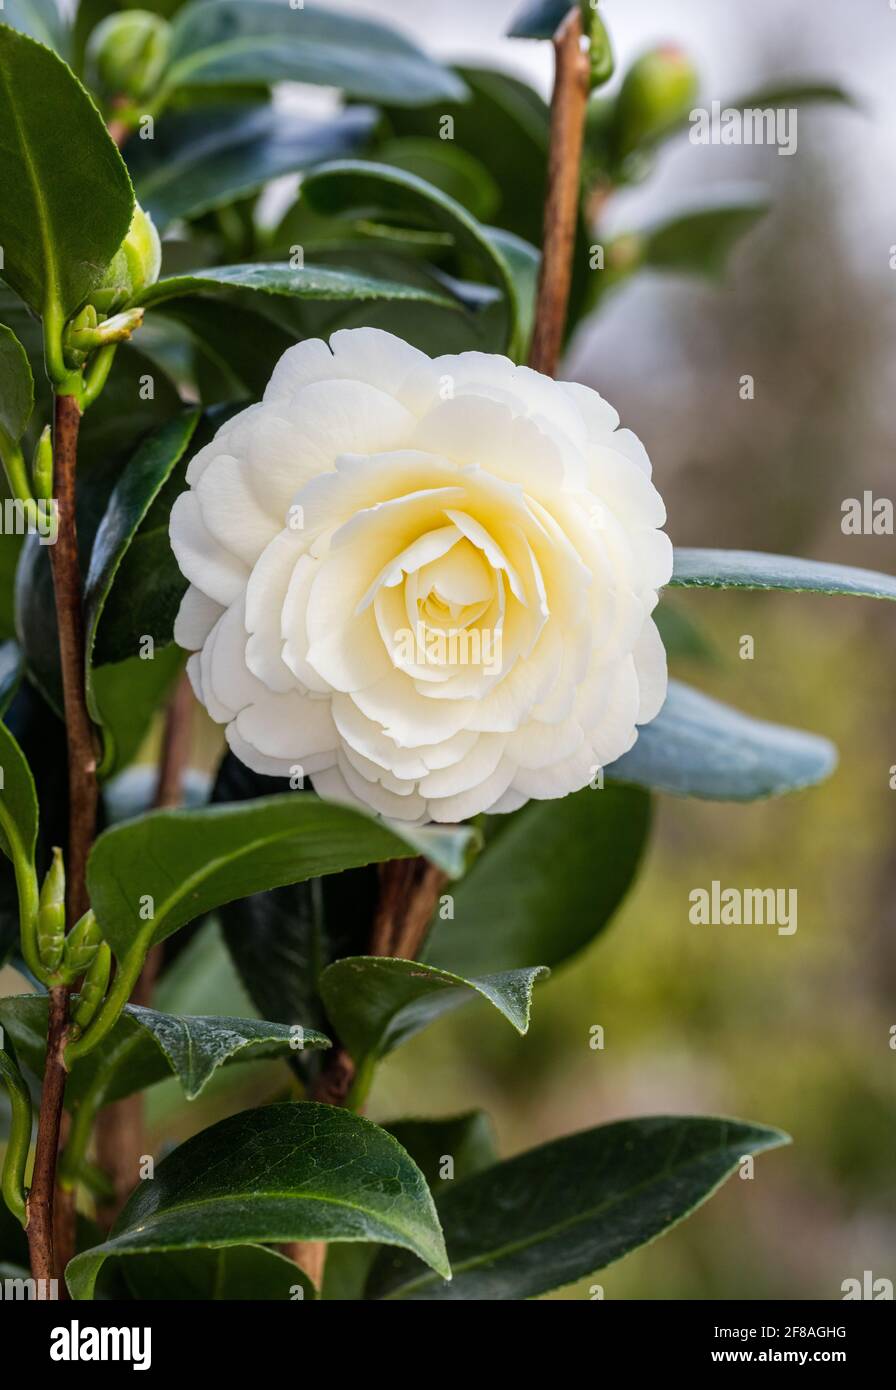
(314, 471)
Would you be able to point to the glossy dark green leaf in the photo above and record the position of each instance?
(752, 569)
(699, 747)
(569, 1208)
(240, 345)
(505, 124)
(61, 218)
(700, 242)
(539, 19)
(370, 191)
(222, 41)
(203, 159)
(148, 584)
(236, 1273)
(126, 695)
(313, 283)
(146, 1046)
(377, 1002)
(445, 1151)
(188, 862)
(289, 1172)
(131, 499)
(545, 885)
(467, 1140)
(281, 940)
(443, 164)
(16, 386)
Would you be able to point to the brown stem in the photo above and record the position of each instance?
(51, 1241)
(120, 1132)
(82, 784)
(39, 1228)
(409, 891)
(571, 85)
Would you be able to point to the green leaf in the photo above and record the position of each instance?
(699, 747)
(313, 282)
(539, 19)
(751, 569)
(125, 696)
(148, 585)
(280, 941)
(699, 242)
(188, 862)
(196, 1047)
(16, 386)
(239, 345)
(131, 499)
(377, 1002)
(287, 1172)
(468, 1140)
(40, 19)
(546, 884)
(223, 41)
(237, 1273)
(505, 124)
(200, 160)
(146, 1046)
(441, 163)
(370, 191)
(569, 1208)
(797, 91)
(18, 799)
(62, 218)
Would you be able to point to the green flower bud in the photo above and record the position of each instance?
(601, 52)
(127, 54)
(81, 945)
(135, 265)
(42, 466)
(94, 986)
(659, 90)
(51, 914)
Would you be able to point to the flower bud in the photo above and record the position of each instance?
(127, 54)
(658, 92)
(42, 466)
(94, 986)
(51, 914)
(135, 265)
(81, 945)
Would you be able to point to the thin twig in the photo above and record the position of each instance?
(44, 1234)
(570, 98)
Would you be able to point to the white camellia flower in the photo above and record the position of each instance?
(424, 583)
